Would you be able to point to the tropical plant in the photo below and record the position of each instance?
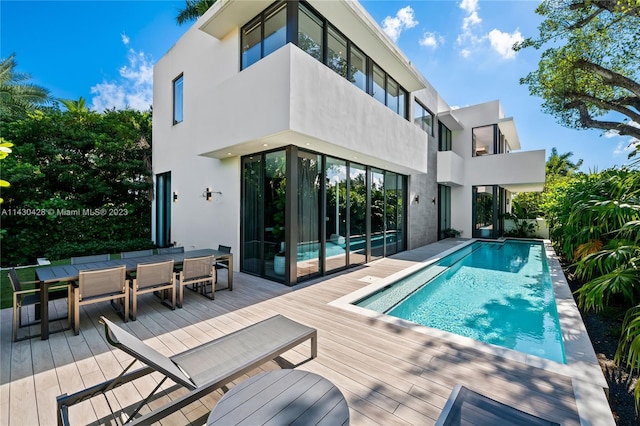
(17, 95)
(74, 179)
(5, 149)
(601, 233)
(193, 9)
(523, 227)
(79, 106)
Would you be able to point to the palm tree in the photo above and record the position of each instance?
(560, 165)
(193, 9)
(16, 95)
(75, 106)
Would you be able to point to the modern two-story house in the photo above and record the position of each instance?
(297, 133)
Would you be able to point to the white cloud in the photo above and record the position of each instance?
(403, 20)
(503, 43)
(133, 90)
(465, 53)
(469, 5)
(626, 147)
(125, 39)
(470, 20)
(432, 40)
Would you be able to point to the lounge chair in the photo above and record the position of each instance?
(202, 369)
(466, 407)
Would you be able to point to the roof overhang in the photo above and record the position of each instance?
(449, 120)
(348, 16)
(508, 128)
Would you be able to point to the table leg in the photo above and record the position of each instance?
(44, 311)
(230, 273)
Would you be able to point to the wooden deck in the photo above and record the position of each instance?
(390, 375)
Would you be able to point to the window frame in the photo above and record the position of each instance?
(174, 84)
(425, 110)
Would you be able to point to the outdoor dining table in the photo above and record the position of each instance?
(48, 275)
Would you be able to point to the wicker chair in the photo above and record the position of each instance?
(151, 278)
(100, 285)
(30, 297)
(197, 271)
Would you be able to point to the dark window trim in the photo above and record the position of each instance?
(433, 117)
(292, 19)
(173, 85)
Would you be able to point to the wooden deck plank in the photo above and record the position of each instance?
(390, 375)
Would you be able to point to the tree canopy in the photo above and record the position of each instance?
(589, 74)
(192, 10)
(17, 95)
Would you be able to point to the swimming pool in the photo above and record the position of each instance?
(494, 292)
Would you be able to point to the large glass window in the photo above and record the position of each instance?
(252, 214)
(444, 138)
(308, 250)
(337, 52)
(378, 89)
(377, 213)
(422, 117)
(336, 213)
(358, 69)
(484, 141)
(251, 43)
(444, 211)
(275, 29)
(310, 33)
(357, 214)
(163, 209)
(264, 35)
(484, 211)
(178, 96)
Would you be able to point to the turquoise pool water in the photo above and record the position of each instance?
(497, 293)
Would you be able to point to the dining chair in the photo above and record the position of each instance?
(196, 271)
(23, 298)
(150, 278)
(90, 259)
(137, 253)
(222, 264)
(170, 250)
(100, 285)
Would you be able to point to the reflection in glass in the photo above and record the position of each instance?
(275, 29)
(336, 214)
(391, 213)
(378, 85)
(337, 52)
(308, 247)
(358, 70)
(422, 118)
(251, 43)
(484, 211)
(377, 213)
(178, 96)
(310, 29)
(252, 175)
(444, 137)
(392, 95)
(275, 192)
(357, 214)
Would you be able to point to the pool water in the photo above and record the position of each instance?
(497, 293)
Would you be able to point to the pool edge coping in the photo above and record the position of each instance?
(582, 363)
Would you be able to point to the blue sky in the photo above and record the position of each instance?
(104, 51)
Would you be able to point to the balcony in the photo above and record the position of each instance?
(516, 171)
(450, 169)
(290, 98)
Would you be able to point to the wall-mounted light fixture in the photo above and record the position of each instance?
(433, 200)
(208, 194)
(175, 197)
(416, 199)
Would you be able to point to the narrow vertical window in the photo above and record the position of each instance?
(310, 33)
(444, 138)
(275, 29)
(393, 95)
(177, 100)
(379, 92)
(358, 69)
(337, 52)
(422, 117)
(251, 43)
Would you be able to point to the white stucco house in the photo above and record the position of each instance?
(297, 133)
